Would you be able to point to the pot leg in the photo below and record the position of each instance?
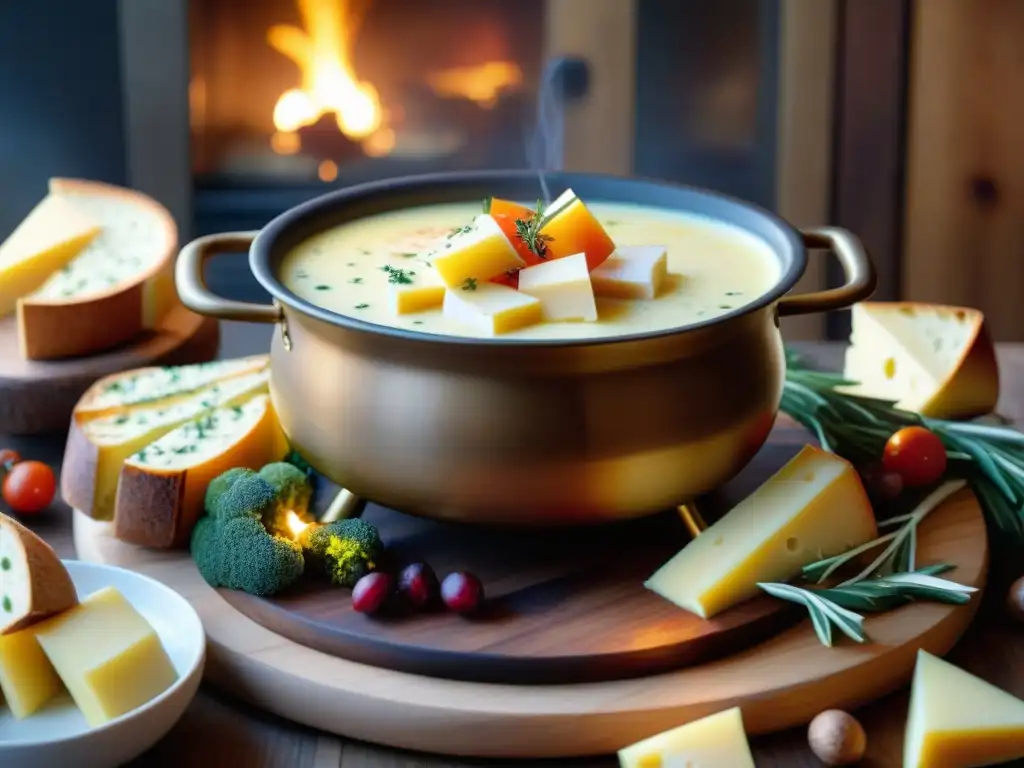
(346, 504)
(691, 516)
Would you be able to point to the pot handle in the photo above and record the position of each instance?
(188, 277)
(857, 269)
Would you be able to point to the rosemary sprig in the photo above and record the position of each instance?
(841, 607)
(989, 457)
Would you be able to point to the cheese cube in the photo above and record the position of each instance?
(162, 487)
(571, 228)
(716, 741)
(27, 678)
(492, 309)
(107, 655)
(424, 290)
(563, 288)
(477, 252)
(46, 240)
(814, 507)
(632, 272)
(97, 448)
(957, 720)
(935, 360)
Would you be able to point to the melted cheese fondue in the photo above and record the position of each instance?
(713, 269)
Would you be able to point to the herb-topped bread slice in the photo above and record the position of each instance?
(119, 285)
(97, 448)
(162, 487)
(34, 584)
(45, 241)
(129, 389)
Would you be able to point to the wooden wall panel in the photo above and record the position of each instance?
(964, 238)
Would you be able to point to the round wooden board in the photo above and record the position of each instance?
(780, 683)
(37, 397)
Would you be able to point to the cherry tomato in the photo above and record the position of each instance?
(917, 455)
(29, 487)
(8, 457)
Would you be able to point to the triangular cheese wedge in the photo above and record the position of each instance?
(45, 241)
(935, 360)
(162, 487)
(128, 389)
(812, 508)
(121, 284)
(957, 720)
(716, 741)
(97, 448)
(34, 584)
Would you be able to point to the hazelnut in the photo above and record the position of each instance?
(1015, 600)
(836, 738)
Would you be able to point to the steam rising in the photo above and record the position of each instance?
(544, 149)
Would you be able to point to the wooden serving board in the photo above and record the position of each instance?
(37, 397)
(781, 682)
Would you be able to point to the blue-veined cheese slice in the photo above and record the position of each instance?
(162, 487)
(97, 448)
(119, 285)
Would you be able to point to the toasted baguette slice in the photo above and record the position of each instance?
(935, 360)
(97, 448)
(121, 284)
(129, 389)
(51, 235)
(162, 487)
(34, 584)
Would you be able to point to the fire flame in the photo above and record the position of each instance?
(295, 524)
(481, 84)
(323, 53)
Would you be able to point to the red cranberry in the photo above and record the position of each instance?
(462, 592)
(880, 484)
(370, 592)
(418, 584)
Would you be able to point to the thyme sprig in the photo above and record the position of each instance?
(989, 457)
(529, 230)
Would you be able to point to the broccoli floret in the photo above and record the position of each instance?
(293, 495)
(220, 484)
(344, 550)
(232, 548)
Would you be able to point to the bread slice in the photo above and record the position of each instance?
(121, 284)
(162, 487)
(97, 448)
(128, 389)
(34, 584)
(44, 242)
(935, 360)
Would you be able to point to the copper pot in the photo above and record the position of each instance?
(505, 431)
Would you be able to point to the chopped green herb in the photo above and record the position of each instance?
(528, 230)
(356, 280)
(5, 564)
(398, 276)
(122, 419)
(487, 204)
(361, 306)
(417, 322)
(7, 604)
(408, 255)
(470, 284)
(612, 223)
(350, 264)
(323, 287)
(463, 230)
(725, 306)
(734, 293)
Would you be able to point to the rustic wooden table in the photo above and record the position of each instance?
(217, 731)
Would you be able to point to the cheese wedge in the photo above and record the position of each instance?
(632, 272)
(571, 228)
(27, 678)
(51, 235)
(492, 309)
(716, 741)
(814, 507)
(563, 288)
(161, 488)
(34, 583)
(128, 389)
(97, 448)
(419, 290)
(476, 252)
(108, 656)
(119, 285)
(957, 720)
(935, 360)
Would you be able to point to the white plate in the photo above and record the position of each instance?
(58, 735)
